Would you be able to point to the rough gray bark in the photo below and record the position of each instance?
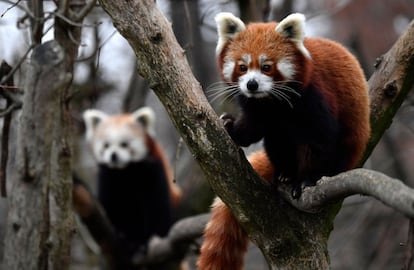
(390, 84)
(39, 224)
(289, 238)
(40, 220)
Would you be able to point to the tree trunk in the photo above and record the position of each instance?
(40, 219)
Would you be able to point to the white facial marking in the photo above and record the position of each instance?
(247, 59)
(117, 147)
(228, 68)
(264, 84)
(286, 68)
(262, 59)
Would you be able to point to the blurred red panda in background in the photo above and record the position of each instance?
(135, 180)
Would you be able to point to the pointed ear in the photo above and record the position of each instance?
(293, 27)
(228, 26)
(92, 119)
(146, 117)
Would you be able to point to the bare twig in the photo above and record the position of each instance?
(70, 21)
(10, 107)
(13, 5)
(85, 11)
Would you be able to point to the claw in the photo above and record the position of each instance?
(296, 192)
(227, 116)
(283, 179)
(228, 120)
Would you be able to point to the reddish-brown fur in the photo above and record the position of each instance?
(82, 200)
(225, 241)
(156, 151)
(336, 73)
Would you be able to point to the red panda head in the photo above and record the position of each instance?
(262, 58)
(120, 139)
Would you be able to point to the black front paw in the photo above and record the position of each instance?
(228, 121)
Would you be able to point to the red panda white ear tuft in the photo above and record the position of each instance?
(92, 119)
(228, 26)
(293, 28)
(146, 117)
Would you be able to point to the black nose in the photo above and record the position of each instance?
(252, 85)
(114, 157)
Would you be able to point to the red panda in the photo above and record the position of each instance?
(307, 98)
(135, 181)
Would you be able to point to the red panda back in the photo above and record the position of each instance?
(337, 73)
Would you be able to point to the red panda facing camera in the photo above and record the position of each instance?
(307, 98)
(135, 181)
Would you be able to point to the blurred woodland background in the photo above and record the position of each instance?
(367, 234)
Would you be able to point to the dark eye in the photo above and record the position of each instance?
(266, 68)
(243, 68)
(106, 145)
(124, 144)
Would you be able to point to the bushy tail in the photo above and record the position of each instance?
(225, 241)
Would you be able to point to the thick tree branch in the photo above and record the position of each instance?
(390, 84)
(391, 192)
